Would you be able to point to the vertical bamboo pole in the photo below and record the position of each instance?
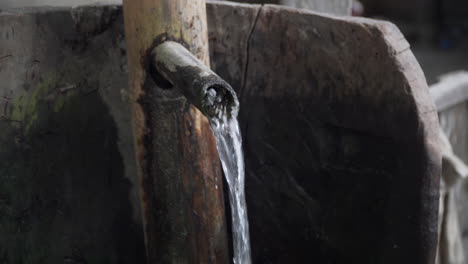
(178, 165)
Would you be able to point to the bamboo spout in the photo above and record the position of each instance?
(202, 87)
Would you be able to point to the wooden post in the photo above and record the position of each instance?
(178, 165)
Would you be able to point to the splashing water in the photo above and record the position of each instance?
(229, 142)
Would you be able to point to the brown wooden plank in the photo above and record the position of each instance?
(182, 196)
(341, 140)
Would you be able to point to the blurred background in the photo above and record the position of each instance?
(436, 29)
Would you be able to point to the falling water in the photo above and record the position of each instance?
(229, 142)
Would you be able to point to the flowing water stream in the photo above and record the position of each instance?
(229, 142)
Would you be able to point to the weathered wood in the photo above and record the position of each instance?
(333, 7)
(229, 59)
(366, 185)
(181, 181)
(341, 137)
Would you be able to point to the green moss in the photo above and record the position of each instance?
(60, 102)
(63, 194)
(26, 107)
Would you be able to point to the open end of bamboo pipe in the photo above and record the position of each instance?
(203, 88)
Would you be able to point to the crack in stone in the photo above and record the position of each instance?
(247, 52)
(5, 56)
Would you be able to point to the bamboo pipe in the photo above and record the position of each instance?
(199, 84)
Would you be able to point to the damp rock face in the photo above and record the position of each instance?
(339, 137)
